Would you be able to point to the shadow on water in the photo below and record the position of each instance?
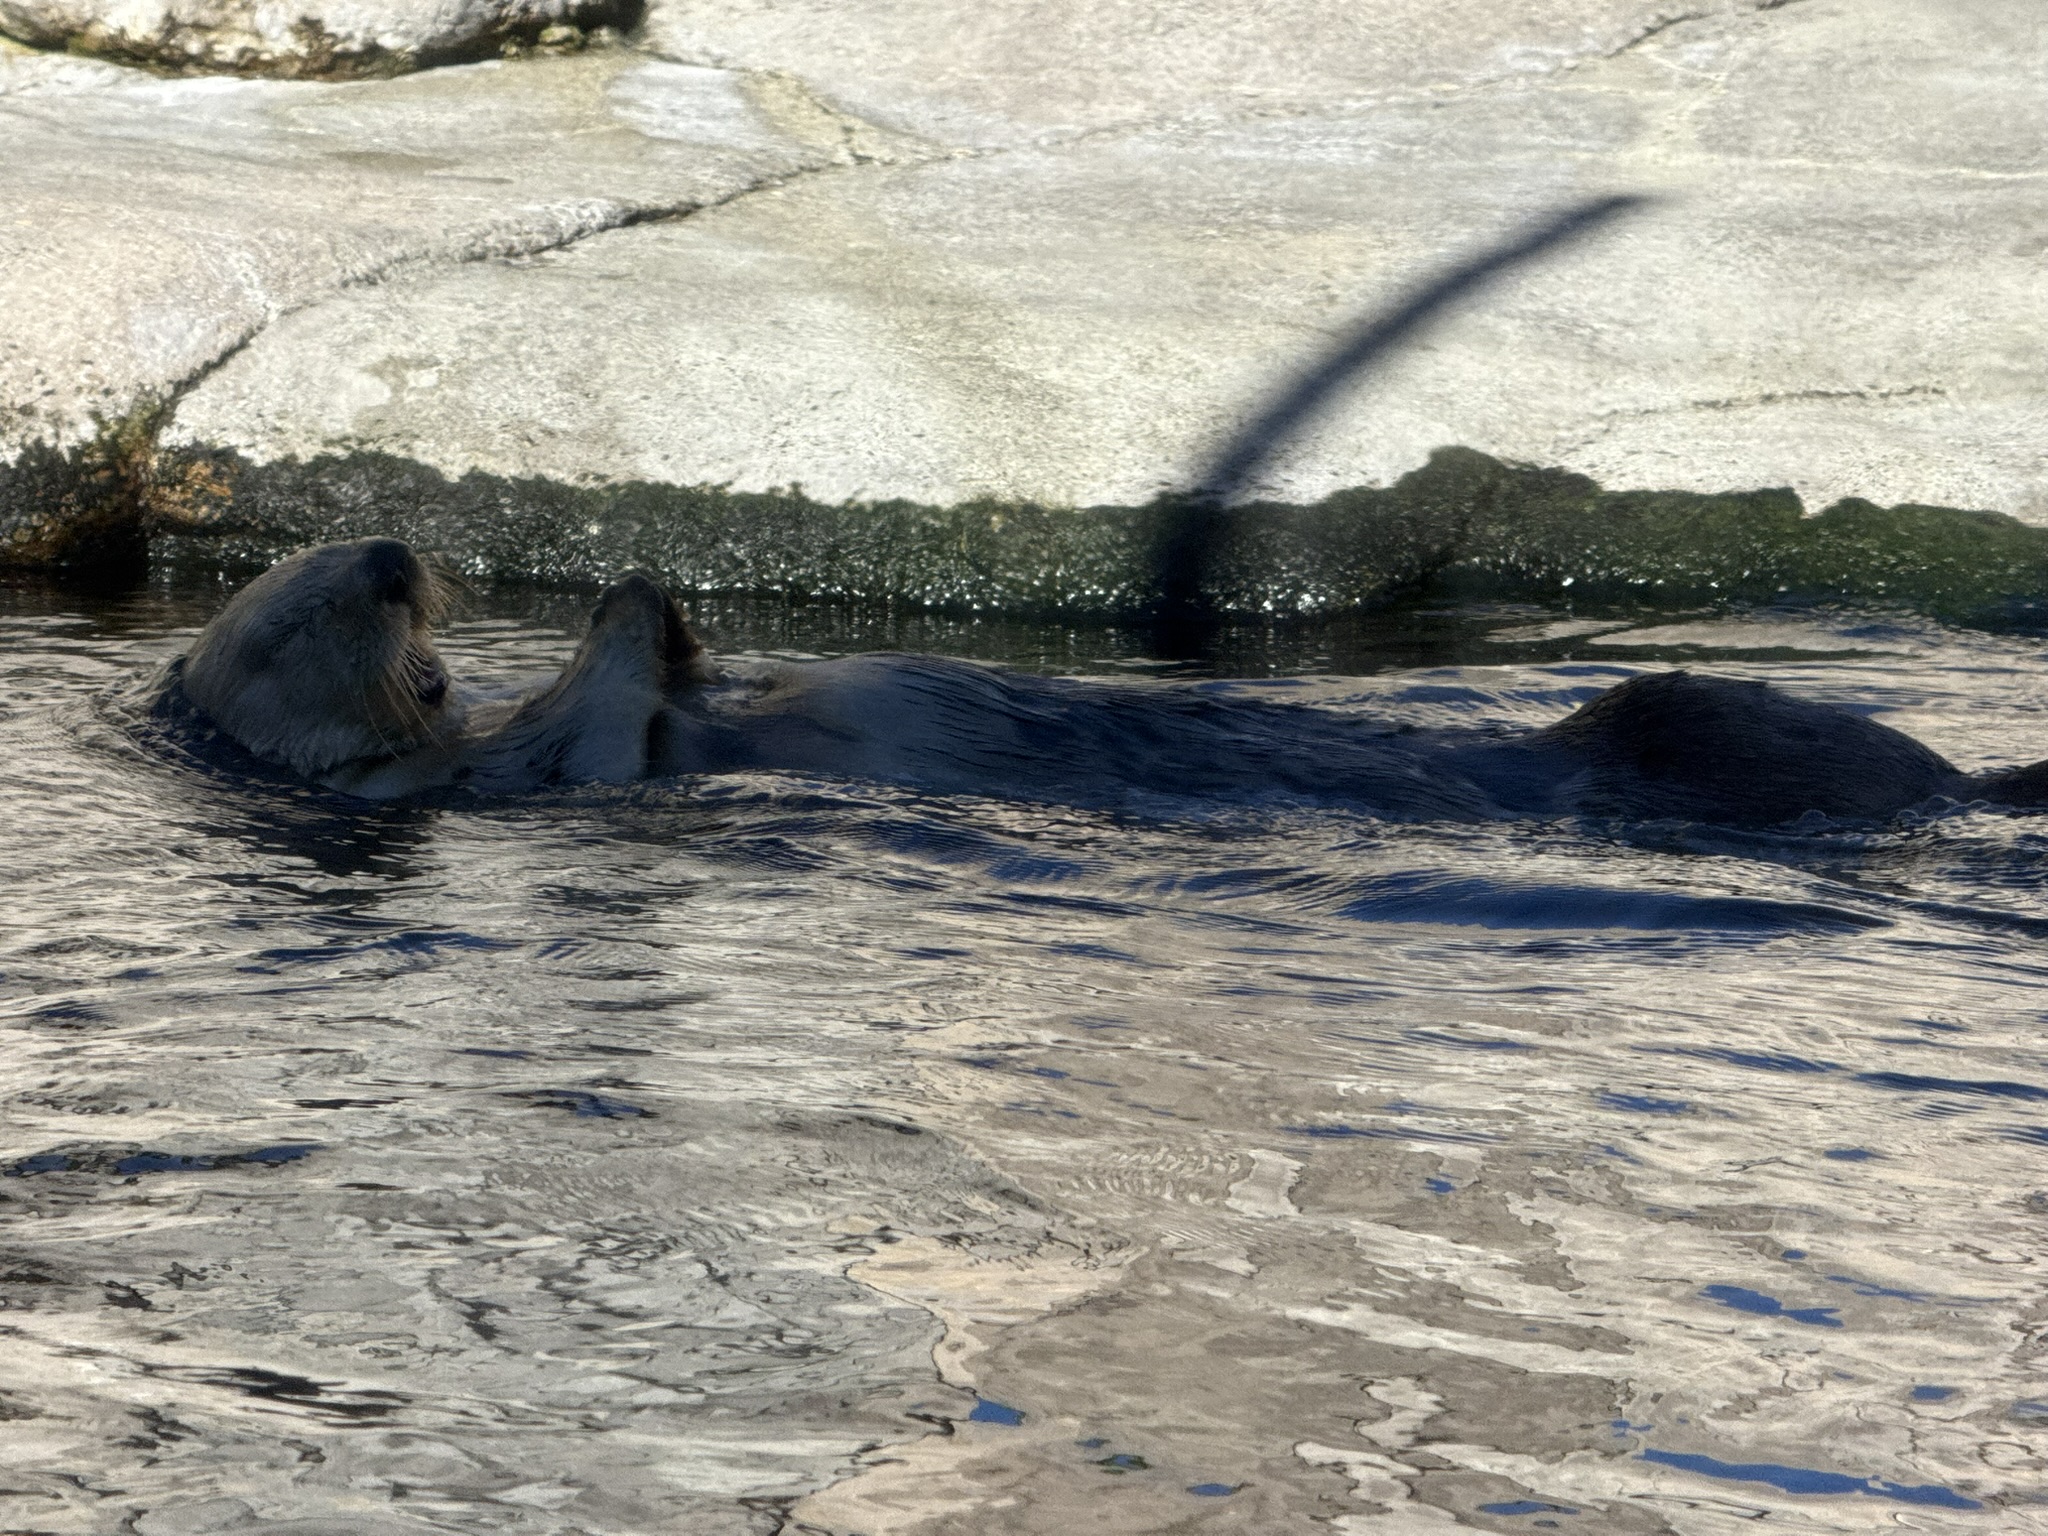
(1185, 619)
(340, 838)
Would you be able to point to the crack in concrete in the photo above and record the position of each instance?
(1657, 29)
(794, 109)
(800, 113)
(1608, 420)
(515, 247)
(1778, 397)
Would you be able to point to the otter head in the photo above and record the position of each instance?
(325, 659)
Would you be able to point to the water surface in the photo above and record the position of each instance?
(761, 1153)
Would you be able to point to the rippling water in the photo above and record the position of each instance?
(762, 1153)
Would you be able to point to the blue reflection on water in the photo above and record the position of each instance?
(1807, 1480)
(1742, 1299)
(1760, 1061)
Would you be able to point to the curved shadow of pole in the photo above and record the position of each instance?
(1185, 618)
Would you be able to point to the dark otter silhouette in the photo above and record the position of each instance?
(1746, 754)
(1669, 745)
(325, 665)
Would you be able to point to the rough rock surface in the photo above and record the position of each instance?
(312, 39)
(1058, 253)
(1131, 239)
(159, 224)
(993, 76)
(154, 226)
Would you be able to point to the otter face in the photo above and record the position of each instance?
(325, 660)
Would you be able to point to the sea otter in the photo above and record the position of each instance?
(325, 665)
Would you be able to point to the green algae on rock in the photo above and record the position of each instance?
(1463, 525)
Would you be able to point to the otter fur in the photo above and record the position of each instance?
(325, 665)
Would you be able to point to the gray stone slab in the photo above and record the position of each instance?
(990, 73)
(1837, 291)
(154, 225)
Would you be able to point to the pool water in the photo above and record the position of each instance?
(761, 1153)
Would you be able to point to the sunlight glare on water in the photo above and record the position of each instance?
(684, 1158)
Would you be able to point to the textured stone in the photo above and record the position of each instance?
(153, 226)
(1061, 253)
(311, 39)
(1832, 293)
(988, 75)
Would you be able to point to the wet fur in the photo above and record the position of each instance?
(319, 662)
(1668, 745)
(325, 665)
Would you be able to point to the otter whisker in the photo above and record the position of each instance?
(399, 701)
(376, 726)
(442, 586)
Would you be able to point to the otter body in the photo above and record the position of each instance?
(962, 728)
(1669, 745)
(325, 665)
(1742, 754)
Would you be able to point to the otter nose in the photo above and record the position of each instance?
(634, 591)
(390, 569)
